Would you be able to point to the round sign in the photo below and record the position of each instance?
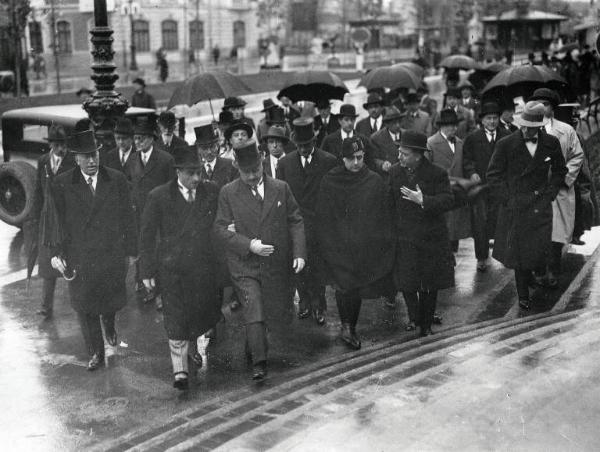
(361, 34)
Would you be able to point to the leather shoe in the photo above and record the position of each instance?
(235, 304)
(259, 371)
(181, 383)
(437, 319)
(196, 358)
(319, 316)
(425, 332)
(350, 337)
(96, 362)
(524, 303)
(304, 313)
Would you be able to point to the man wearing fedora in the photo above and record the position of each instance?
(563, 207)
(415, 119)
(507, 116)
(477, 151)
(386, 140)
(236, 106)
(259, 223)
(325, 122)
(98, 242)
(526, 172)
(140, 97)
(168, 141)
(123, 155)
(276, 141)
(466, 122)
(176, 245)
(263, 124)
(238, 133)
(424, 264)
(374, 122)
(303, 170)
(50, 165)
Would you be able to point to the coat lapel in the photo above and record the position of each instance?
(269, 199)
(246, 198)
(102, 188)
(152, 162)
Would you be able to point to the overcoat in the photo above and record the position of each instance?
(477, 152)
(176, 143)
(185, 261)
(275, 221)
(332, 143)
(423, 255)
(563, 207)
(439, 153)
(387, 149)
(222, 174)
(143, 99)
(111, 159)
(363, 127)
(99, 233)
(419, 122)
(525, 187)
(466, 122)
(332, 125)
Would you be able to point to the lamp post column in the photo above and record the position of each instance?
(133, 66)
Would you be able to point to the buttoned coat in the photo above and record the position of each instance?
(223, 172)
(332, 125)
(112, 159)
(143, 99)
(99, 232)
(563, 207)
(440, 154)
(477, 152)
(525, 187)
(364, 127)
(275, 221)
(176, 143)
(387, 149)
(419, 123)
(333, 144)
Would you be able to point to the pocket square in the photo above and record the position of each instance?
(278, 203)
(547, 159)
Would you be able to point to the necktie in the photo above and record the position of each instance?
(451, 140)
(122, 159)
(55, 165)
(374, 126)
(209, 171)
(90, 182)
(256, 194)
(491, 137)
(190, 198)
(531, 140)
(144, 158)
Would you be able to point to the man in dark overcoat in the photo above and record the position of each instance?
(276, 140)
(374, 122)
(478, 148)
(177, 220)
(122, 156)
(98, 242)
(50, 165)
(386, 140)
(140, 97)
(167, 140)
(325, 121)
(303, 170)
(214, 168)
(354, 233)
(526, 172)
(421, 195)
(259, 223)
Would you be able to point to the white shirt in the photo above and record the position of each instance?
(55, 162)
(146, 155)
(274, 161)
(167, 139)
(260, 188)
(347, 135)
(124, 155)
(376, 123)
(490, 135)
(185, 192)
(210, 165)
(306, 160)
(394, 136)
(449, 143)
(548, 126)
(86, 177)
(325, 120)
(531, 147)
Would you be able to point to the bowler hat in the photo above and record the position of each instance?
(304, 131)
(82, 143)
(323, 103)
(352, 145)
(167, 119)
(124, 126)
(490, 108)
(276, 132)
(139, 81)
(532, 116)
(447, 116)
(453, 92)
(546, 94)
(247, 155)
(411, 98)
(206, 134)
(145, 125)
(413, 140)
(238, 125)
(373, 99)
(466, 84)
(56, 133)
(233, 102)
(186, 157)
(392, 114)
(267, 104)
(347, 110)
(276, 115)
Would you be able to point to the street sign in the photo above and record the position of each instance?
(361, 35)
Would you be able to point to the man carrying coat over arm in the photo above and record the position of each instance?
(259, 223)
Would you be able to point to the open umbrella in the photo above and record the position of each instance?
(485, 72)
(568, 47)
(208, 86)
(493, 67)
(313, 86)
(418, 70)
(392, 77)
(458, 62)
(525, 78)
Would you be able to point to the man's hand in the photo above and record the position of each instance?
(231, 228)
(385, 166)
(298, 265)
(257, 247)
(149, 284)
(58, 264)
(413, 196)
(475, 178)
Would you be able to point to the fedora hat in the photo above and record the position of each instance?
(453, 92)
(145, 125)
(232, 102)
(247, 155)
(268, 104)
(546, 94)
(373, 99)
(56, 133)
(276, 116)
(447, 116)
(276, 132)
(412, 98)
(490, 108)
(186, 157)
(347, 110)
(139, 81)
(304, 131)
(392, 114)
(124, 126)
(352, 145)
(238, 125)
(82, 143)
(167, 119)
(413, 140)
(323, 103)
(206, 134)
(532, 116)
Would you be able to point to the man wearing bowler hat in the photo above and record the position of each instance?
(325, 122)
(526, 172)
(214, 168)
(478, 148)
(236, 106)
(177, 221)
(140, 97)
(123, 155)
(238, 133)
(260, 225)
(424, 264)
(98, 242)
(303, 170)
(168, 141)
(386, 140)
(276, 141)
(50, 165)
(416, 119)
(374, 122)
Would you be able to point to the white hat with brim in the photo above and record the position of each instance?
(532, 116)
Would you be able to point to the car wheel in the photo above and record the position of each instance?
(17, 190)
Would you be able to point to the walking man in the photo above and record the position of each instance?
(123, 155)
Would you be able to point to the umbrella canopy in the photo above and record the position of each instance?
(458, 62)
(392, 77)
(418, 70)
(529, 74)
(313, 86)
(484, 73)
(493, 67)
(208, 86)
(568, 47)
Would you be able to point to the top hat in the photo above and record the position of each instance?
(373, 99)
(304, 131)
(392, 114)
(233, 102)
(186, 157)
(323, 103)
(546, 94)
(352, 145)
(466, 84)
(238, 125)
(267, 104)
(447, 116)
(413, 140)
(206, 134)
(167, 119)
(139, 81)
(225, 118)
(83, 91)
(453, 92)
(532, 116)
(247, 155)
(82, 143)
(276, 132)
(145, 126)
(347, 110)
(276, 115)
(490, 108)
(56, 133)
(124, 126)
(411, 98)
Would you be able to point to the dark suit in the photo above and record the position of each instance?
(223, 172)
(291, 114)
(387, 149)
(267, 165)
(98, 233)
(143, 99)
(332, 125)
(112, 159)
(304, 183)
(364, 127)
(510, 127)
(263, 284)
(420, 121)
(333, 144)
(175, 143)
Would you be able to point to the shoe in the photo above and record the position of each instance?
(524, 303)
(390, 303)
(149, 296)
(182, 382)
(481, 266)
(139, 286)
(437, 319)
(304, 313)
(259, 371)
(577, 241)
(196, 358)
(235, 304)
(319, 316)
(45, 313)
(96, 362)
(410, 326)
(425, 332)
(350, 337)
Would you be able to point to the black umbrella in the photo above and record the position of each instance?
(522, 81)
(458, 62)
(313, 86)
(418, 70)
(485, 72)
(392, 77)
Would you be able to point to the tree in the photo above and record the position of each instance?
(269, 10)
(16, 13)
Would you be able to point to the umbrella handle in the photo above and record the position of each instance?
(211, 108)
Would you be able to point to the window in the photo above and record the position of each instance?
(239, 34)
(63, 36)
(169, 35)
(35, 37)
(141, 35)
(196, 34)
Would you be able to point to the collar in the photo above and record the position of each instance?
(184, 190)
(211, 164)
(126, 152)
(446, 138)
(166, 137)
(87, 176)
(347, 135)
(148, 152)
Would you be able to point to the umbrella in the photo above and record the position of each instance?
(528, 75)
(418, 70)
(568, 47)
(458, 62)
(208, 86)
(484, 73)
(392, 77)
(313, 86)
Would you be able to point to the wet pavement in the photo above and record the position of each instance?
(450, 388)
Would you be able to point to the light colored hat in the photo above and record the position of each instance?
(532, 116)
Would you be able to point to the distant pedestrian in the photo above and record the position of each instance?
(122, 156)
(140, 97)
(236, 106)
(216, 54)
(39, 65)
(83, 94)
(162, 65)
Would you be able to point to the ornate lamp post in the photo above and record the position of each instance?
(106, 105)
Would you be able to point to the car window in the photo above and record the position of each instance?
(35, 132)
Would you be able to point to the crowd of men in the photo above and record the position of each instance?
(299, 202)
